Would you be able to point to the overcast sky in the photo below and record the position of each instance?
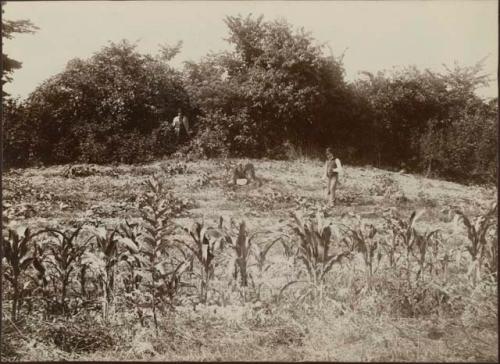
(377, 34)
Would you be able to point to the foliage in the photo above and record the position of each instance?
(429, 121)
(205, 240)
(9, 28)
(315, 249)
(65, 253)
(115, 106)
(102, 259)
(17, 254)
(17, 139)
(242, 247)
(159, 271)
(121, 258)
(466, 149)
(274, 92)
(480, 248)
(363, 240)
(274, 87)
(80, 336)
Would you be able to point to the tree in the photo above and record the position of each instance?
(111, 107)
(432, 122)
(17, 138)
(275, 87)
(402, 103)
(9, 28)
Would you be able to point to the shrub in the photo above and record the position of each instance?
(111, 107)
(17, 134)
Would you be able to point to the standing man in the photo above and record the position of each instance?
(180, 121)
(332, 169)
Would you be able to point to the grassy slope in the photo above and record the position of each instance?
(42, 197)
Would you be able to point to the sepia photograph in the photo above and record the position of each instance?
(280, 181)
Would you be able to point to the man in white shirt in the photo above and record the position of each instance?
(332, 169)
(179, 121)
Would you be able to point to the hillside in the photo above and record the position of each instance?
(350, 323)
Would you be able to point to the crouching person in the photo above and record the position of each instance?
(247, 172)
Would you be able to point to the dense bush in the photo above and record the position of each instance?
(107, 108)
(466, 150)
(16, 133)
(429, 122)
(275, 87)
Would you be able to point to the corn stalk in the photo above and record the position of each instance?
(363, 241)
(65, 253)
(102, 259)
(204, 241)
(406, 235)
(479, 248)
(424, 244)
(314, 249)
(154, 244)
(17, 252)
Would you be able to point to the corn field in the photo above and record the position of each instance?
(151, 271)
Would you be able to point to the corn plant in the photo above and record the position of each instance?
(364, 241)
(205, 240)
(479, 247)
(169, 281)
(259, 253)
(315, 244)
(425, 244)
(65, 251)
(128, 238)
(406, 234)
(102, 259)
(39, 258)
(17, 254)
(392, 244)
(154, 243)
(241, 245)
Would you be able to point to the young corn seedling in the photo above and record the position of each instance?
(260, 252)
(315, 243)
(17, 258)
(479, 247)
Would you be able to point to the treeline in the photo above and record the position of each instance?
(274, 93)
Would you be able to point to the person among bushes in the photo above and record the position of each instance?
(178, 123)
(332, 169)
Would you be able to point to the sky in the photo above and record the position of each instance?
(375, 35)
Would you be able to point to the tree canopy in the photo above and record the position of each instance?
(9, 28)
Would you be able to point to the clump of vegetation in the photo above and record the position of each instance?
(315, 252)
(483, 251)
